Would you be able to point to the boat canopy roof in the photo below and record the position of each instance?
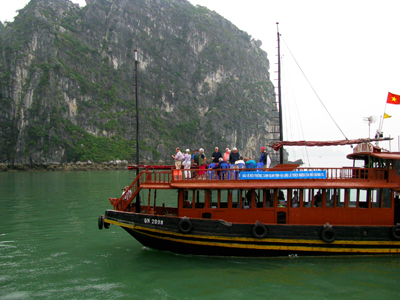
(382, 155)
(279, 145)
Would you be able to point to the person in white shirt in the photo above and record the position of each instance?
(127, 196)
(178, 158)
(187, 163)
(240, 161)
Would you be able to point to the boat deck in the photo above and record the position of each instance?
(240, 177)
(235, 178)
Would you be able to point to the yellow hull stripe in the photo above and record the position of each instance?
(270, 240)
(279, 248)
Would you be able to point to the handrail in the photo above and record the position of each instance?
(134, 188)
(163, 177)
(168, 177)
(344, 173)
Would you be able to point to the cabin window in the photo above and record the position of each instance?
(380, 163)
(247, 198)
(295, 198)
(330, 197)
(223, 203)
(307, 197)
(398, 167)
(213, 196)
(189, 197)
(359, 163)
(317, 199)
(363, 199)
(206, 215)
(281, 217)
(236, 198)
(269, 198)
(376, 198)
(386, 198)
(352, 197)
(259, 200)
(340, 197)
(200, 198)
(282, 197)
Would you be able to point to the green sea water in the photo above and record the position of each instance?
(51, 248)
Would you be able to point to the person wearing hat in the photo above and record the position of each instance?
(264, 158)
(216, 155)
(187, 163)
(234, 156)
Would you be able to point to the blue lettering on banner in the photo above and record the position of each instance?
(284, 175)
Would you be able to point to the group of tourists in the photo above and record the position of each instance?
(198, 159)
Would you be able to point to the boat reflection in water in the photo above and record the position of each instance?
(280, 211)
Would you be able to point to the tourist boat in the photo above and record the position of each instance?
(250, 212)
(285, 210)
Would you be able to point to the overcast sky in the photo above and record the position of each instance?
(348, 50)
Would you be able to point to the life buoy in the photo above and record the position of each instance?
(185, 225)
(100, 222)
(396, 232)
(260, 230)
(328, 235)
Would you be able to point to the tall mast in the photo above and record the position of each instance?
(137, 112)
(279, 96)
(137, 203)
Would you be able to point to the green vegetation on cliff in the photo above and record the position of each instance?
(67, 82)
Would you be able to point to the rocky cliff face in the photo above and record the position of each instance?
(67, 82)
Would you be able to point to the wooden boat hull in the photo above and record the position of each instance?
(219, 238)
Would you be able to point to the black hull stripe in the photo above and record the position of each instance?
(245, 241)
(291, 248)
(265, 241)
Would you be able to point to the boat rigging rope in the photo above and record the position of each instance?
(314, 90)
(296, 119)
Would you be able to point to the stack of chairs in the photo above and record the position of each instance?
(222, 173)
(241, 166)
(260, 166)
(210, 171)
(234, 171)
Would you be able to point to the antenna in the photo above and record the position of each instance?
(370, 119)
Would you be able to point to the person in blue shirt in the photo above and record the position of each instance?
(264, 158)
(250, 163)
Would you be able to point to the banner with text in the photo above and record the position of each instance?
(284, 175)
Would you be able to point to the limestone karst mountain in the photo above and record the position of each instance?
(67, 82)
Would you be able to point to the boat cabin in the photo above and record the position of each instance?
(341, 196)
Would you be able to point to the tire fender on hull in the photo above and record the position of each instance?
(396, 232)
(328, 235)
(185, 225)
(260, 230)
(100, 222)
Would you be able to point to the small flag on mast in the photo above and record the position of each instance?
(393, 99)
(386, 116)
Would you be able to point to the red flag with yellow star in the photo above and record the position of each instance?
(393, 99)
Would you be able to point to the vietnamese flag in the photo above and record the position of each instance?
(393, 99)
